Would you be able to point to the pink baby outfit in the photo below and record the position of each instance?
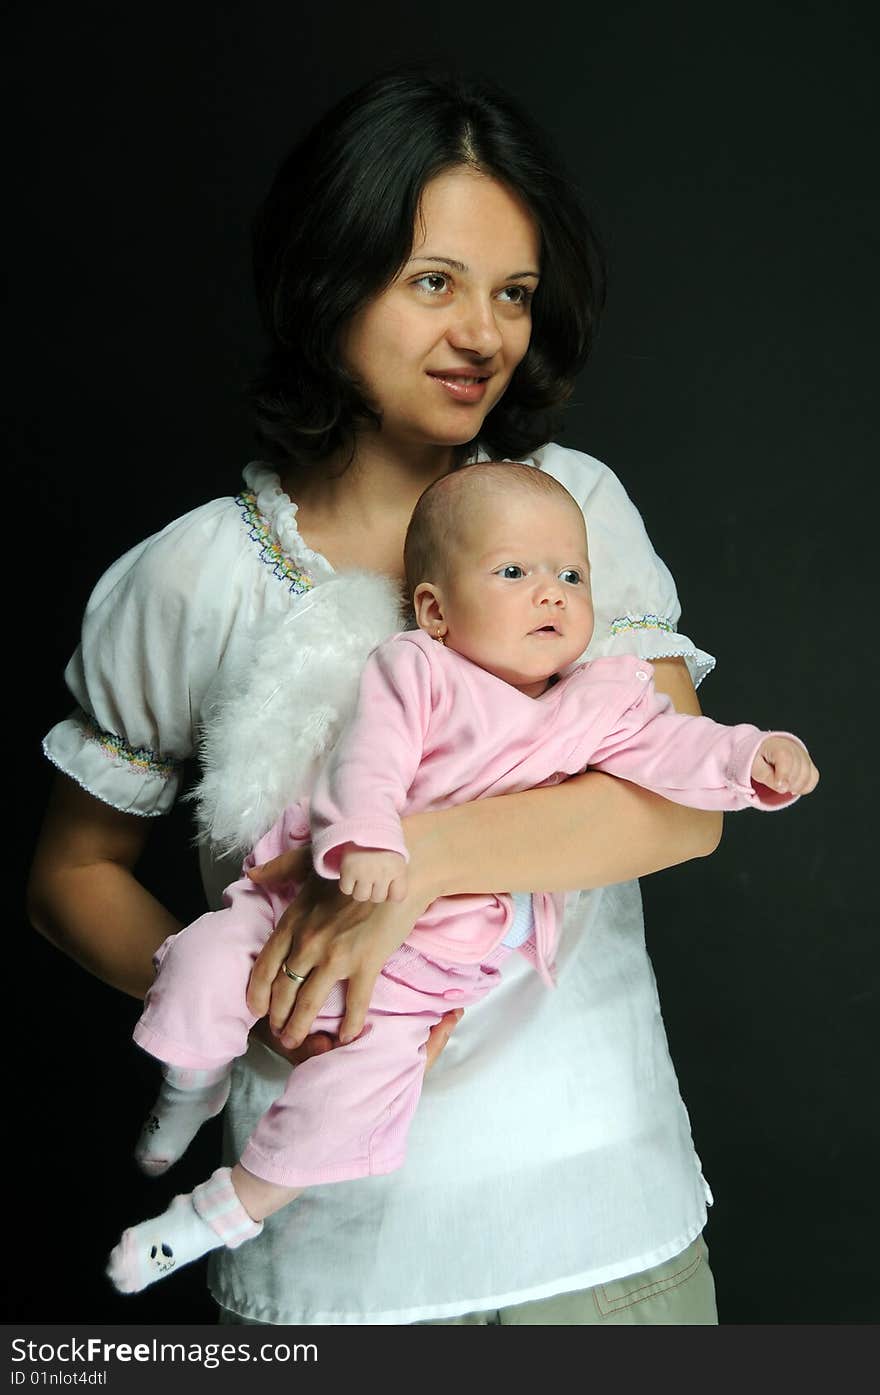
(431, 729)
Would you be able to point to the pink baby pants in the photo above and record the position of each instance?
(344, 1113)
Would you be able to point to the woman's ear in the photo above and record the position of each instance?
(428, 608)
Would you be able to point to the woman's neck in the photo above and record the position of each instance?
(356, 515)
(380, 482)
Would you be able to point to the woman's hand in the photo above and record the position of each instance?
(318, 1042)
(326, 938)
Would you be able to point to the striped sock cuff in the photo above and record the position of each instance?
(184, 1078)
(218, 1205)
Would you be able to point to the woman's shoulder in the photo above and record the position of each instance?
(251, 533)
(618, 539)
(584, 476)
(193, 534)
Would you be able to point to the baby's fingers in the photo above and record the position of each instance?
(795, 772)
(785, 763)
(763, 772)
(398, 888)
(805, 780)
(774, 768)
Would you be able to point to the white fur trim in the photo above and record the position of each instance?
(277, 710)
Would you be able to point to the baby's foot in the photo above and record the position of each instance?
(187, 1099)
(203, 1220)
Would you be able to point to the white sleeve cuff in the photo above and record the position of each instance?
(653, 637)
(133, 780)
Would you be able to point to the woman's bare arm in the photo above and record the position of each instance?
(82, 895)
(590, 831)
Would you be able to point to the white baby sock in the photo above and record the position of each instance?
(208, 1217)
(186, 1100)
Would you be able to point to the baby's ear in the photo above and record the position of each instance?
(428, 606)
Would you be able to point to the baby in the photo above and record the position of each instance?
(485, 697)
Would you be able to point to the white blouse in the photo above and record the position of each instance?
(551, 1150)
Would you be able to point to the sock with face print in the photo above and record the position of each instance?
(186, 1100)
(208, 1217)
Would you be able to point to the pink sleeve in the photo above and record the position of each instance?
(363, 786)
(690, 760)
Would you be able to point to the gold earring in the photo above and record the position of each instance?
(438, 635)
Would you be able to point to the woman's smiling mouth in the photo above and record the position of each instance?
(462, 387)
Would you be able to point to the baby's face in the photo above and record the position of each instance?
(517, 600)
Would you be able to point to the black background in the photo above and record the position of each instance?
(726, 151)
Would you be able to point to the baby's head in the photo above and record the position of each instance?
(497, 567)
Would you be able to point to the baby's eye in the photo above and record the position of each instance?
(512, 572)
(571, 576)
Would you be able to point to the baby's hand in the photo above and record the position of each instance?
(784, 766)
(372, 874)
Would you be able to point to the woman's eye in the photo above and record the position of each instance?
(512, 572)
(519, 295)
(570, 576)
(434, 282)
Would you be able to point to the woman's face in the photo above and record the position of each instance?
(435, 351)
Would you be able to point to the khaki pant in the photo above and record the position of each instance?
(679, 1293)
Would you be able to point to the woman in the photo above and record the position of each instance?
(430, 287)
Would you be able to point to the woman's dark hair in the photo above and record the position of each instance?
(337, 226)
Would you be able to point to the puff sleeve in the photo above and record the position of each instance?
(636, 605)
(154, 633)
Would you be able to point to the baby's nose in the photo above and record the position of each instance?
(553, 593)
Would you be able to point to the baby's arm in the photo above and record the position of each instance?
(362, 789)
(785, 766)
(696, 761)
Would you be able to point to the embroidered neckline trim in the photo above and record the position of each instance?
(297, 579)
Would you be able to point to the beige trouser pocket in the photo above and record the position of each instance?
(679, 1292)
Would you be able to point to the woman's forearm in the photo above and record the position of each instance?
(590, 831)
(83, 895)
(102, 917)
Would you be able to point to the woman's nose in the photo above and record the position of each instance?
(475, 329)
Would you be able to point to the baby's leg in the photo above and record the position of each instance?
(196, 1019)
(187, 1099)
(259, 1198)
(346, 1113)
(228, 1209)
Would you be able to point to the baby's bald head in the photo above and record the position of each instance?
(449, 517)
